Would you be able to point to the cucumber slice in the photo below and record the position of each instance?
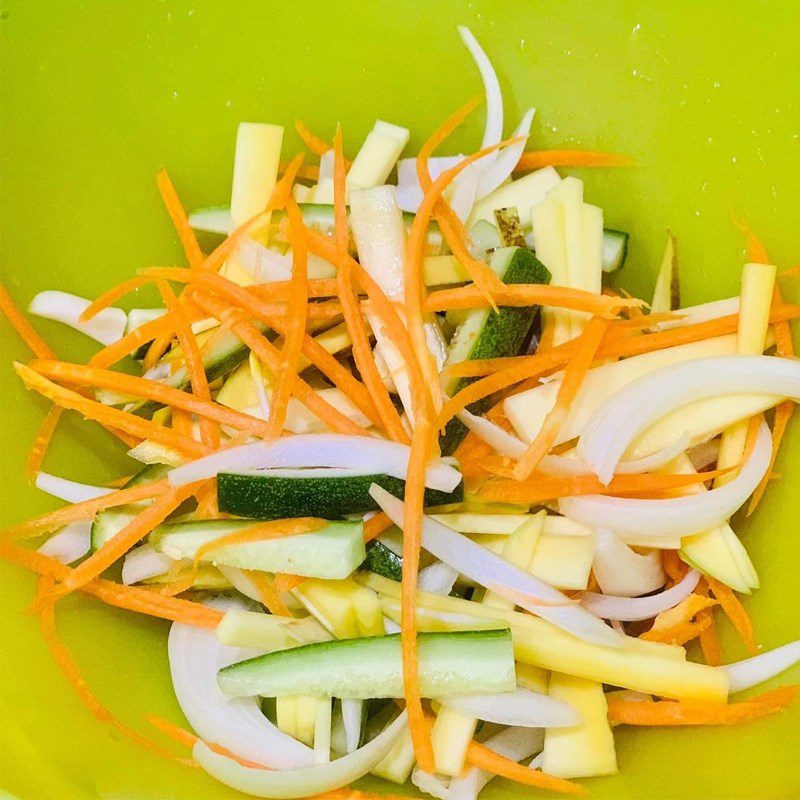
(290, 495)
(383, 561)
(107, 524)
(485, 334)
(331, 552)
(449, 663)
(615, 249)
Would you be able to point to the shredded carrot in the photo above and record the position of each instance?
(735, 612)
(375, 526)
(311, 140)
(262, 531)
(179, 219)
(207, 507)
(111, 295)
(675, 626)
(672, 564)
(536, 159)
(285, 583)
(783, 414)
(270, 597)
(180, 401)
(709, 640)
(42, 441)
(142, 524)
(113, 417)
(158, 348)
(182, 421)
(132, 341)
(669, 713)
(269, 355)
(192, 360)
(286, 376)
(19, 322)
(480, 756)
(362, 352)
(307, 171)
(588, 342)
(70, 670)
(529, 294)
(539, 486)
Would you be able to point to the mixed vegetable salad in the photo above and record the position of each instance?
(421, 495)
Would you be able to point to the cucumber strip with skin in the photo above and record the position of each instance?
(331, 552)
(383, 561)
(264, 496)
(486, 334)
(449, 663)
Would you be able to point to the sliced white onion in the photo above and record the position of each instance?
(409, 191)
(621, 571)
(507, 159)
(364, 453)
(265, 265)
(70, 543)
(302, 782)
(513, 743)
(504, 442)
(675, 516)
(71, 491)
(144, 563)
(632, 609)
(437, 578)
(195, 656)
(352, 717)
(691, 315)
(216, 219)
(106, 327)
(631, 410)
(760, 668)
(499, 575)
(522, 708)
(241, 582)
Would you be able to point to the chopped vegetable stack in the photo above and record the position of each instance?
(409, 471)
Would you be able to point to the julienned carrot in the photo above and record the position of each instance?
(42, 441)
(295, 330)
(267, 353)
(680, 633)
(578, 366)
(307, 171)
(113, 417)
(142, 524)
(354, 320)
(540, 487)
(375, 526)
(19, 322)
(482, 757)
(670, 713)
(179, 219)
(285, 582)
(261, 531)
(735, 612)
(676, 625)
(71, 671)
(311, 140)
(267, 591)
(192, 360)
(536, 159)
(112, 295)
(132, 341)
(530, 294)
(152, 390)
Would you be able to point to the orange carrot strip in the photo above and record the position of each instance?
(375, 526)
(142, 524)
(673, 565)
(131, 598)
(270, 598)
(539, 487)
(482, 757)
(19, 322)
(669, 713)
(530, 294)
(152, 390)
(709, 640)
(122, 420)
(680, 633)
(157, 348)
(286, 377)
(735, 612)
(182, 422)
(311, 140)
(70, 670)
(132, 341)
(262, 531)
(269, 355)
(783, 414)
(536, 159)
(307, 171)
(111, 295)
(588, 342)
(179, 219)
(354, 320)
(193, 361)
(42, 441)
(285, 583)
(46, 523)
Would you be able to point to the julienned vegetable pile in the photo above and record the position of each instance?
(420, 495)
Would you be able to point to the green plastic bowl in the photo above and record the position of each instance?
(96, 96)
